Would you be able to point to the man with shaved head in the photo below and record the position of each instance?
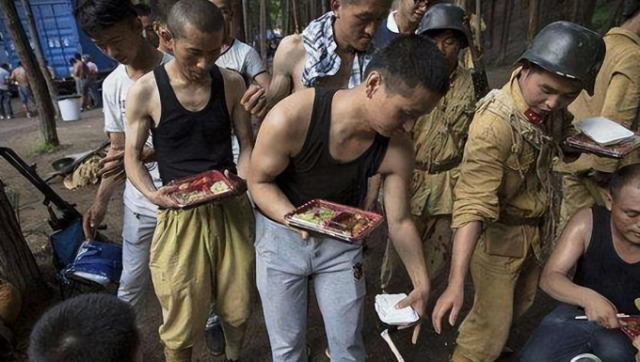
(205, 253)
(332, 51)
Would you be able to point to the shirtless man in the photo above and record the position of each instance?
(332, 51)
(201, 254)
(323, 143)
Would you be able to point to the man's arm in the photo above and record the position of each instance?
(280, 138)
(397, 167)
(475, 200)
(139, 101)
(554, 281)
(108, 183)
(240, 119)
(290, 52)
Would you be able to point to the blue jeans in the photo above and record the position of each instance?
(284, 263)
(5, 103)
(560, 337)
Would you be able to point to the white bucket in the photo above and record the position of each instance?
(70, 108)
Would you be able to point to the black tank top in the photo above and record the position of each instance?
(187, 143)
(602, 269)
(314, 174)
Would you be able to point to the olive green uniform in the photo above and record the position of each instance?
(504, 183)
(616, 96)
(439, 139)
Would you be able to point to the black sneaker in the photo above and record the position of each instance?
(214, 336)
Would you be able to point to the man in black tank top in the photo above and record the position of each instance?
(325, 143)
(190, 106)
(604, 247)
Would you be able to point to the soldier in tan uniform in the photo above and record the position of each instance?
(617, 97)
(504, 187)
(438, 139)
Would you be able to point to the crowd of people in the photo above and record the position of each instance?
(369, 108)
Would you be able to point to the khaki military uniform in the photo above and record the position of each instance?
(504, 183)
(616, 96)
(439, 139)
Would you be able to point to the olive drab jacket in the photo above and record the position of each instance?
(439, 139)
(616, 96)
(505, 172)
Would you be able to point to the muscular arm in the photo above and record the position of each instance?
(289, 54)
(139, 102)
(280, 137)
(572, 245)
(240, 118)
(397, 167)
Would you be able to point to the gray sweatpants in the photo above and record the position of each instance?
(284, 263)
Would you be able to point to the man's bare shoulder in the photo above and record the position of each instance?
(291, 50)
(293, 112)
(233, 81)
(399, 155)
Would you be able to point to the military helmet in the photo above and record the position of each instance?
(444, 17)
(569, 50)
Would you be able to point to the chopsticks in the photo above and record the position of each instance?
(619, 315)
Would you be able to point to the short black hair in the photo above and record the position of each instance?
(201, 14)
(627, 175)
(410, 61)
(160, 10)
(87, 328)
(142, 9)
(96, 16)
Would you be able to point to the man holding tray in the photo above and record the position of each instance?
(616, 96)
(603, 244)
(502, 196)
(202, 252)
(323, 144)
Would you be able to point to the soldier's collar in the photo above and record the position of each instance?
(519, 102)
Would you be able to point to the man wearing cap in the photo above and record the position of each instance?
(617, 97)
(438, 140)
(504, 187)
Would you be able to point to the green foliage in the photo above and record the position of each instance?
(44, 148)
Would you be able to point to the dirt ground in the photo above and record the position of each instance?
(23, 136)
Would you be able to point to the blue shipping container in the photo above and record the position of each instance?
(59, 36)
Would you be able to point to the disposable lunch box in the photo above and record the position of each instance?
(206, 187)
(342, 222)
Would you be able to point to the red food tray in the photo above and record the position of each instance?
(338, 221)
(632, 329)
(205, 187)
(585, 144)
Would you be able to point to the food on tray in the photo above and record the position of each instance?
(632, 327)
(343, 222)
(203, 187)
(316, 215)
(219, 187)
(353, 224)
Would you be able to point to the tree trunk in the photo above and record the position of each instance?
(37, 47)
(248, 37)
(17, 264)
(46, 112)
(294, 11)
(534, 14)
(263, 31)
(237, 23)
